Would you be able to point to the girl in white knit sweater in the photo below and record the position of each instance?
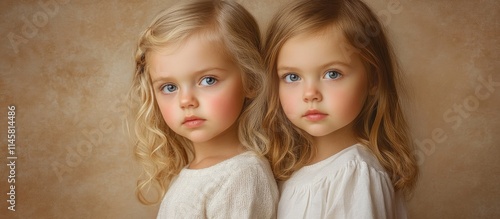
(199, 82)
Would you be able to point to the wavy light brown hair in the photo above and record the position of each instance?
(162, 152)
(381, 125)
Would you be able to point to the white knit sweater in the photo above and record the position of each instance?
(240, 187)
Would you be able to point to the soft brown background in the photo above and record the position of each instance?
(68, 78)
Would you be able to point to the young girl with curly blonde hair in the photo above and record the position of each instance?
(339, 139)
(199, 80)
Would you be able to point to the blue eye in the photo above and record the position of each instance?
(208, 81)
(291, 78)
(168, 88)
(332, 75)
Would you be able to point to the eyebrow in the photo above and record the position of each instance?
(294, 69)
(161, 79)
(286, 68)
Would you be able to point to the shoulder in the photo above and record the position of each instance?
(248, 165)
(357, 165)
(249, 178)
(369, 185)
(356, 153)
(251, 159)
(356, 160)
(250, 173)
(358, 156)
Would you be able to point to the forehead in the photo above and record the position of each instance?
(192, 54)
(318, 46)
(326, 43)
(197, 43)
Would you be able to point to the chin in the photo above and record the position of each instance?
(317, 132)
(199, 137)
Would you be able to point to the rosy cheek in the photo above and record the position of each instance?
(348, 104)
(289, 101)
(167, 112)
(225, 106)
(220, 104)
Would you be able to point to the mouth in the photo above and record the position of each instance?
(193, 121)
(314, 115)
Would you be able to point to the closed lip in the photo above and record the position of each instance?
(314, 112)
(314, 115)
(193, 121)
(191, 118)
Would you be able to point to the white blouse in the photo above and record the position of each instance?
(240, 187)
(349, 184)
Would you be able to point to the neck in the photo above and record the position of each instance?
(217, 149)
(330, 144)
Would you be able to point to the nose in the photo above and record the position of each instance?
(188, 99)
(312, 93)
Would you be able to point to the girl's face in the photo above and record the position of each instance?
(198, 89)
(322, 83)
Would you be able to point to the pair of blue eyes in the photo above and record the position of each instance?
(291, 77)
(170, 88)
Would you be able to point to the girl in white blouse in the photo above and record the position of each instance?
(199, 86)
(339, 140)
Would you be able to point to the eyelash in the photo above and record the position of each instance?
(333, 71)
(285, 76)
(215, 80)
(212, 77)
(164, 86)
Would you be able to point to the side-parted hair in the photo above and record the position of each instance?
(380, 126)
(161, 151)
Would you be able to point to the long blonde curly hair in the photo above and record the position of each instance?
(380, 126)
(162, 152)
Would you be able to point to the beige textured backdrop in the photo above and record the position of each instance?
(66, 66)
